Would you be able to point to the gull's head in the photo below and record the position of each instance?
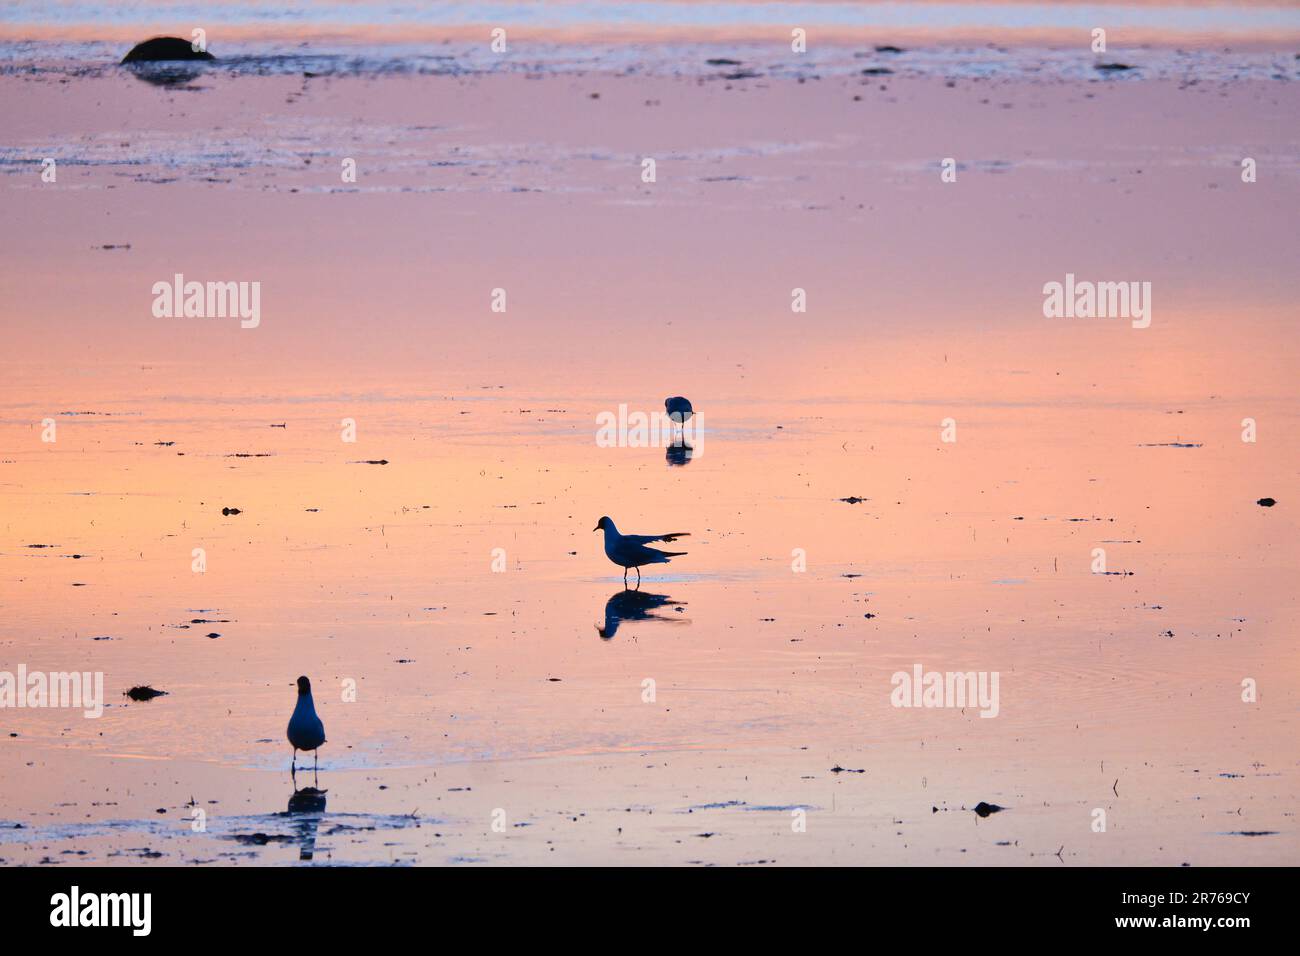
(603, 524)
(304, 686)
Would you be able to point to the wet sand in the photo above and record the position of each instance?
(480, 690)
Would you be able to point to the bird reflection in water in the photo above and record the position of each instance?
(678, 453)
(306, 807)
(637, 606)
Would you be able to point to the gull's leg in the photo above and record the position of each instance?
(638, 578)
(625, 579)
(314, 765)
(293, 769)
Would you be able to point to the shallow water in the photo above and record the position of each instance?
(481, 690)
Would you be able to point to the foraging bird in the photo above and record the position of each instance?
(678, 408)
(630, 551)
(306, 732)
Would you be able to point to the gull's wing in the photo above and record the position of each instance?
(647, 538)
(642, 555)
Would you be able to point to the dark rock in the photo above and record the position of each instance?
(1266, 502)
(984, 809)
(165, 49)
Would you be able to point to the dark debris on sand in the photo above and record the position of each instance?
(1266, 502)
(984, 809)
(261, 839)
(144, 692)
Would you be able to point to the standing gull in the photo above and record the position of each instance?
(306, 732)
(630, 551)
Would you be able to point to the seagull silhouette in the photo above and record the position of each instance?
(630, 551)
(306, 732)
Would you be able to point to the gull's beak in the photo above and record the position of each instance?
(597, 528)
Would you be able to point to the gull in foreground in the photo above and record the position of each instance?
(630, 551)
(306, 732)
